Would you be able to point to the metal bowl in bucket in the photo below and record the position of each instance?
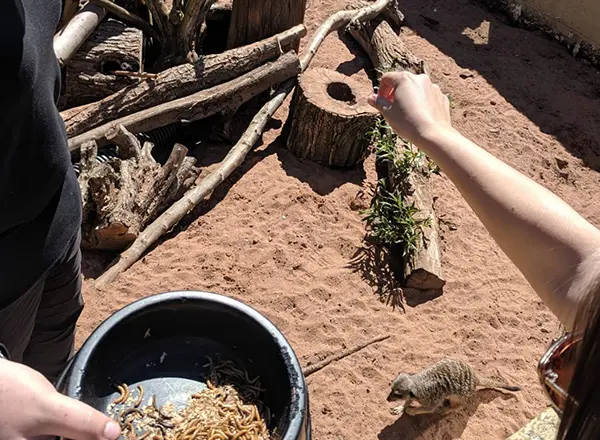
(162, 343)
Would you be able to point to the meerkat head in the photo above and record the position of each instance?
(402, 388)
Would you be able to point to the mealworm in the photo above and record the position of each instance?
(144, 435)
(239, 434)
(123, 394)
(138, 401)
(130, 411)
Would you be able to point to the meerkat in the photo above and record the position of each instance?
(440, 388)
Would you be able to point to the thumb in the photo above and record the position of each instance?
(75, 420)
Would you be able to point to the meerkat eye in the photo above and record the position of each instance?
(411, 394)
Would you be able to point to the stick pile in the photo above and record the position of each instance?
(136, 106)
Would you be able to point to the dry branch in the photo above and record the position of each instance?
(202, 104)
(128, 17)
(70, 8)
(423, 270)
(77, 31)
(311, 369)
(179, 81)
(236, 155)
(191, 27)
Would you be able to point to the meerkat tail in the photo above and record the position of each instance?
(485, 383)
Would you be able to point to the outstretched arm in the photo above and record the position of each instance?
(550, 243)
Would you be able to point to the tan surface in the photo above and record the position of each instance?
(543, 427)
(281, 236)
(577, 16)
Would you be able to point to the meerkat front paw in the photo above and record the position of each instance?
(397, 410)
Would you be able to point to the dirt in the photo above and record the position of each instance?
(285, 236)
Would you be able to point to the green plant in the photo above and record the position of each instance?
(392, 219)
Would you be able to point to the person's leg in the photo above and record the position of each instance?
(17, 321)
(52, 341)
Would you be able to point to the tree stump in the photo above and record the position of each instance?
(89, 74)
(329, 119)
(255, 20)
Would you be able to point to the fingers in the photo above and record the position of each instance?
(75, 420)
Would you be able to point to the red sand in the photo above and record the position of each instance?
(280, 234)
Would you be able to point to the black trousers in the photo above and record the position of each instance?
(38, 329)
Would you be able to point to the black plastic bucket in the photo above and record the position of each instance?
(162, 343)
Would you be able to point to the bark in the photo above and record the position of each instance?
(113, 46)
(329, 119)
(236, 155)
(124, 194)
(76, 32)
(423, 270)
(254, 20)
(202, 104)
(178, 82)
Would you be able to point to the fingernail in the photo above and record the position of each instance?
(112, 431)
(383, 103)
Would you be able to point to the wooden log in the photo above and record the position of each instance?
(113, 46)
(179, 81)
(201, 104)
(329, 119)
(125, 193)
(77, 31)
(423, 270)
(254, 20)
(387, 51)
(237, 154)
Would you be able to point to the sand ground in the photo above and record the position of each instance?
(281, 236)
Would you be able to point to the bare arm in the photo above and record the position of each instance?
(550, 243)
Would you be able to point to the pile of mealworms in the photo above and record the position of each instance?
(228, 409)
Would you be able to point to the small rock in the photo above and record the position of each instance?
(561, 163)
(492, 102)
(228, 278)
(495, 130)
(465, 75)
(296, 266)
